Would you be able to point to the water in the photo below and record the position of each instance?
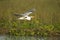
(27, 38)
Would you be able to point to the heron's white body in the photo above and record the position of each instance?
(26, 16)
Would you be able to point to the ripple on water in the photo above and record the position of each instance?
(27, 38)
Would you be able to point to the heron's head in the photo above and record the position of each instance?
(32, 10)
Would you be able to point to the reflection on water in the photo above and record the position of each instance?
(27, 38)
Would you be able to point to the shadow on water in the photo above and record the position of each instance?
(27, 38)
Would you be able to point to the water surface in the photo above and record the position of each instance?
(27, 38)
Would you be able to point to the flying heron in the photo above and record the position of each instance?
(25, 16)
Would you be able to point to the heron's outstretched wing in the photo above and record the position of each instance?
(16, 14)
(28, 12)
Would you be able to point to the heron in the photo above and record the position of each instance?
(25, 16)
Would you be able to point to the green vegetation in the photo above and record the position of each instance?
(45, 23)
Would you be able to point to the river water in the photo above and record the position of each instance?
(27, 38)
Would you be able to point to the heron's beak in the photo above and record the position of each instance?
(32, 16)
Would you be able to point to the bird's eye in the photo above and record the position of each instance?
(25, 17)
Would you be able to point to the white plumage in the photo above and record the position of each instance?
(26, 16)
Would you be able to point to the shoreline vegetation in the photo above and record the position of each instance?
(46, 30)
